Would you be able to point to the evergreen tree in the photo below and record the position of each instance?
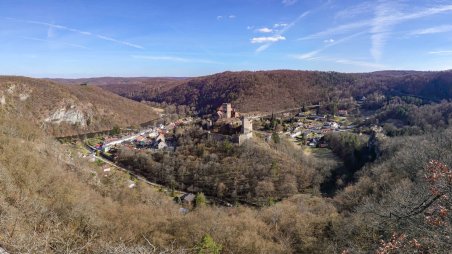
(200, 200)
(208, 246)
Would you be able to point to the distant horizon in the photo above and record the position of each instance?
(187, 77)
(78, 39)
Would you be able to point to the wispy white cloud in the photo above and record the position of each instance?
(307, 56)
(361, 63)
(339, 29)
(381, 27)
(264, 30)
(280, 33)
(265, 39)
(424, 13)
(263, 47)
(223, 17)
(433, 30)
(172, 59)
(287, 27)
(54, 42)
(278, 25)
(81, 32)
(118, 41)
(54, 26)
(289, 2)
(398, 17)
(356, 10)
(329, 43)
(162, 58)
(50, 32)
(387, 16)
(358, 63)
(441, 52)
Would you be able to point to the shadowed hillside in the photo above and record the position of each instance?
(66, 110)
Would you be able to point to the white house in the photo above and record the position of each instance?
(162, 145)
(296, 134)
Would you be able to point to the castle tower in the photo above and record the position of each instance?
(247, 125)
(227, 109)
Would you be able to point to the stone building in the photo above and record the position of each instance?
(247, 125)
(245, 133)
(227, 109)
(247, 130)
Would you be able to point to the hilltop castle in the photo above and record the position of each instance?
(230, 127)
(227, 111)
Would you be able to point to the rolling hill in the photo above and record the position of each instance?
(139, 88)
(63, 110)
(280, 89)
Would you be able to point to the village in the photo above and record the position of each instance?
(225, 125)
(305, 127)
(154, 138)
(308, 128)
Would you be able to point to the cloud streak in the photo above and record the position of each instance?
(221, 17)
(441, 52)
(357, 10)
(264, 30)
(289, 2)
(381, 18)
(280, 33)
(54, 42)
(278, 25)
(339, 29)
(331, 43)
(381, 27)
(433, 30)
(274, 38)
(364, 64)
(81, 32)
(106, 38)
(172, 59)
(386, 16)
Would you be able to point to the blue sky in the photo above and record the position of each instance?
(86, 38)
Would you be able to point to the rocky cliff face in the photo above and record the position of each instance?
(72, 115)
(376, 139)
(10, 92)
(2, 99)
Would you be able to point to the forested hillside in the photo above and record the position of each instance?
(67, 110)
(276, 90)
(134, 88)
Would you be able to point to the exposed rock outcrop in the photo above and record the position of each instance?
(72, 115)
(376, 139)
